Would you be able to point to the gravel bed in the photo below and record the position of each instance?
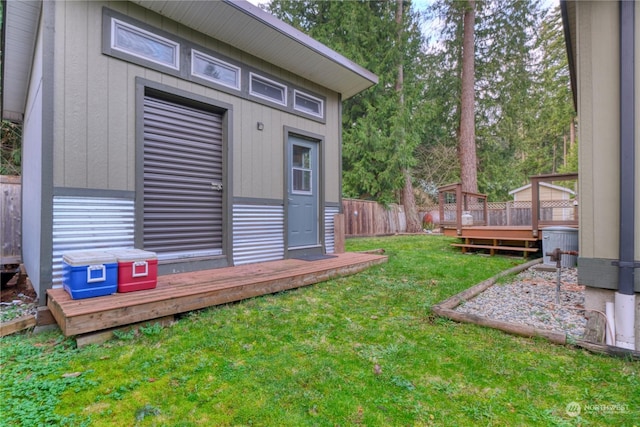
(530, 298)
(24, 305)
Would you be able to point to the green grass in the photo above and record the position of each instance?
(361, 350)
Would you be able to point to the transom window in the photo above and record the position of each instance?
(215, 70)
(301, 170)
(267, 89)
(144, 44)
(307, 103)
(137, 42)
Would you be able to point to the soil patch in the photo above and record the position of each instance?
(17, 296)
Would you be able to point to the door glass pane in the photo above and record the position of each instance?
(301, 180)
(301, 157)
(301, 174)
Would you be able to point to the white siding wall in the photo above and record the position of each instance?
(329, 230)
(32, 172)
(258, 233)
(81, 223)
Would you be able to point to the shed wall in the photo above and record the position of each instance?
(599, 133)
(95, 110)
(32, 172)
(599, 128)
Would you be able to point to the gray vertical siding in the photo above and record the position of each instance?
(94, 142)
(95, 109)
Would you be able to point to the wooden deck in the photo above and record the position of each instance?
(457, 207)
(491, 231)
(180, 293)
(496, 238)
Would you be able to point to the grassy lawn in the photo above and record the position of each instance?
(361, 350)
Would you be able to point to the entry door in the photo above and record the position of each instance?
(303, 176)
(182, 180)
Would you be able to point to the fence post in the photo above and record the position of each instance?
(338, 233)
(535, 205)
(459, 202)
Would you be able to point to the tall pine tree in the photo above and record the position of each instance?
(520, 89)
(378, 141)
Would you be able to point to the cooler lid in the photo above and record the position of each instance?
(76, 258)
(127, 255)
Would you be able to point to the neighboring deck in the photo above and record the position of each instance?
(180, 293)
(495, 238)
(466, 216)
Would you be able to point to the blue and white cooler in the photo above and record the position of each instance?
(89, 274)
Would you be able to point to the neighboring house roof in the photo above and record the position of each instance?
(235, 22)
(544, 184)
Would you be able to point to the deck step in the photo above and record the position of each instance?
(498, 248)
(510, 239)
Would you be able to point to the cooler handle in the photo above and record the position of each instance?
(141, 273)
(103, 273)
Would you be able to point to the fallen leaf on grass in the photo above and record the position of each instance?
(71, 375)
(377, 369)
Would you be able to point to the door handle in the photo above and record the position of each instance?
(216, 186)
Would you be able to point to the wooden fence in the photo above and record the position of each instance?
(10, 220)
(367, 218)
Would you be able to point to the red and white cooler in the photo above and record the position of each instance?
(137, 269)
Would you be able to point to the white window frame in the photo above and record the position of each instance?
(305, 192)
(115, 23)
(268, 82)
(203, 56)
(302, 94)
(303, 170)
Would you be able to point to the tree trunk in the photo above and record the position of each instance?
(572, 133)
(467, 142)
(407, 198)
(414, 224)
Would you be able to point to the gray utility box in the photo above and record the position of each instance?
(565, 238)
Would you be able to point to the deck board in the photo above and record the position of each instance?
(179, 293)
(493, 232)
(495, 238)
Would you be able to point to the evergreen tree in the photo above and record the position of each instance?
(378, 141)
(523, 104)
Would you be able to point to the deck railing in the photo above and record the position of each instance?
(538, 219)
(459, 209)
